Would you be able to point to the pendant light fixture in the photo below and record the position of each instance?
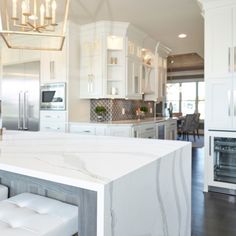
(34, 24)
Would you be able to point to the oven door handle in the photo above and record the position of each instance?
(26, 112)
(209, 145)
(20, 112)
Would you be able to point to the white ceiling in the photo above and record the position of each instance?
(161, 19)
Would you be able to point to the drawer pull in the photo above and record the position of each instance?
(148, 129)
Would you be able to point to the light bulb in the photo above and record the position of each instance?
(47, 4)
(54, 5)
(42, 12)
(14, 9)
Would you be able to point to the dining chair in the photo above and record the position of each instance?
(197, 122)
(189, 126)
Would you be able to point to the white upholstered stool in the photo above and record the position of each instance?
(3, 192)
(32, 215)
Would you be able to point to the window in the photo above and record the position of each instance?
(187, 97)
(188, 91)
(201, 99)
(173, 91)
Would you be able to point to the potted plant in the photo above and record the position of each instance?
(143, 111)
(100, 111)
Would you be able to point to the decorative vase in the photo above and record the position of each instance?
(100, 118)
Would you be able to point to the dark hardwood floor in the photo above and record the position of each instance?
(213, 214)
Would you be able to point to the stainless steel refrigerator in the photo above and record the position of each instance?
(20, 96)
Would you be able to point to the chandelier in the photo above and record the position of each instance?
(34, 24)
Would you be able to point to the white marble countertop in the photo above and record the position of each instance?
(133, 122)
(88, 162)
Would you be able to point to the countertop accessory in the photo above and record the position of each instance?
(100, 111)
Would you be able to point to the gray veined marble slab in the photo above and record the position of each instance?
(143, 187)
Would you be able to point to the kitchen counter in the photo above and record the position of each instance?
(130, 176)
(160, 128)
(133, 122)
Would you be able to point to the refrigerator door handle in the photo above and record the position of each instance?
(25, 113)
(20, 112)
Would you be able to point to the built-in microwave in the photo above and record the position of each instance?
(53, 96)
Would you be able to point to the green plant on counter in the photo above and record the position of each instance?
(144, 109)
(100, 110)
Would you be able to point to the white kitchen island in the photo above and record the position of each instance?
(139, 187)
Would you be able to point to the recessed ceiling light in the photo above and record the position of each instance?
(182, 36)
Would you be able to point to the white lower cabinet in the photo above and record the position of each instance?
(161, 130)
(53, 127)
(87, 129)
(53, 121)
(145, 131)
(120, 131)
(101, 130)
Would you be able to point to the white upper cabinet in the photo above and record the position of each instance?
(219, 32)
(15, 56)
(220, 68)
(220, 104)
(91, 63)
(112, 62)
(54, 66)
(91, 77)
(134, 75)
(10, 56)
(114, 76)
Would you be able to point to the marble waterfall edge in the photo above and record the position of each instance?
(139, 187)
(152, 201)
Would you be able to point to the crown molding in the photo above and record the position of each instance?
(210, 4)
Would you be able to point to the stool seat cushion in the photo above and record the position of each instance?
(33, 215)
(3, 192)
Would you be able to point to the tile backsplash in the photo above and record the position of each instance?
(114, 109)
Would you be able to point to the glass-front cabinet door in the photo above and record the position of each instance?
(225, 159)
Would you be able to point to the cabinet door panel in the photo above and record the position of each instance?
(91, 65)
(54, 65)
(134, 74)
(91, 77)
(234, 104)
(219, 42)
(219, 104)
(119, 131)
(234, 41)
(130, 71)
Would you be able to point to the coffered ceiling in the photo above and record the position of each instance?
(161, 19)
(185, 62)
